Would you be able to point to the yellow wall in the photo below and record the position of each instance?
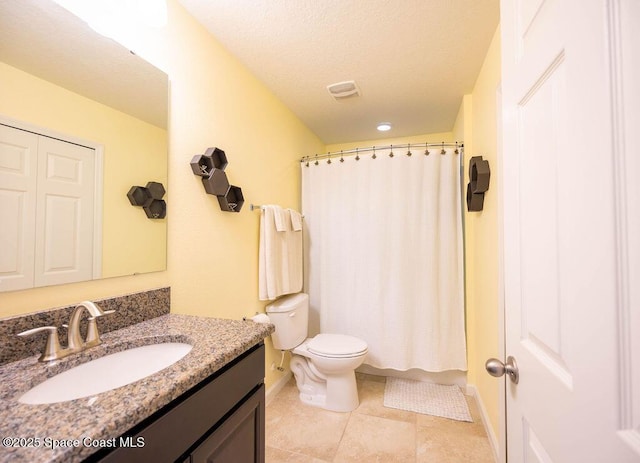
(215, 101)
(212, 263)
(462, 126)
(131, 242)
(476, 122)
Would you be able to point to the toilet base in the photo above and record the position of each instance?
(335, 392)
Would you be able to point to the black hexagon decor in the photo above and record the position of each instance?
(479, 175)
(150, 199)
(211, 167)
(138, 195)
(216, 183)
(232, 200)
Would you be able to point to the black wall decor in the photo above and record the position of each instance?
(479, 175)
(150, 199)
(211, 167)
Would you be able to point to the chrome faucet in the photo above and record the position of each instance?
(53, 350)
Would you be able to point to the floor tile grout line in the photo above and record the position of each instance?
(344, 430)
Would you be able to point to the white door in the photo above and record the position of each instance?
(47, 195)
(64, 215)
(571, 233)
(18, 167)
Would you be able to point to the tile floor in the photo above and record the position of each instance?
(299, 433)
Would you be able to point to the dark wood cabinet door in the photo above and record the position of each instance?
(240, 438)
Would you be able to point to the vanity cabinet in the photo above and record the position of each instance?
(221, 420)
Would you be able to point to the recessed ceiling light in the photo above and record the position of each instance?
(384, 126)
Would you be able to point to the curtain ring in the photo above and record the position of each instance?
(443, 151)
(408, 149)
(457, 151)
(341, 157)
(374, 153)
(391, 152)
(329, 158)
(316, 163)
(426, 146)
(357, 155)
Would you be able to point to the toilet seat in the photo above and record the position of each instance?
(336, 346)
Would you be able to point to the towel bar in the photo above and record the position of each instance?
(254, 207)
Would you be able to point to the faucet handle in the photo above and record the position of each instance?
(51, 329)
(52, 349)
(94, 309)
(93, 336)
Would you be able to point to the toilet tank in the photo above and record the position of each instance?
(290, 315)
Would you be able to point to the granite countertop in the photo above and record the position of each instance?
(216, 342)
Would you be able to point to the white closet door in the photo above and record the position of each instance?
(18, 166)
(64, 215)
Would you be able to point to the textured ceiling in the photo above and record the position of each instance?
(412, 59)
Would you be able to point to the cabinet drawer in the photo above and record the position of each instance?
(184, 421)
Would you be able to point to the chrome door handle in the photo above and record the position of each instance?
(496, 368)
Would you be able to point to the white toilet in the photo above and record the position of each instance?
(323, 365)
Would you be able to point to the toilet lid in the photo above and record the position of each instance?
(336, 345)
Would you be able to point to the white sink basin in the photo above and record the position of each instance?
(106, 373)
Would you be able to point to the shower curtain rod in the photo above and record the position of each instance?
(368, 149)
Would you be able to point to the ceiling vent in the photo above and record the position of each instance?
(344, 89)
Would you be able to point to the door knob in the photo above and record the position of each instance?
(496, 368)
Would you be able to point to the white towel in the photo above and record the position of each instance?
(280, 258)
(279, 215)
(296, 220)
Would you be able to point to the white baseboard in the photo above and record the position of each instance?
(493, 440)
(277, 387)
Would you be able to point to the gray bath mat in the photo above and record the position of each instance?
(426, 398)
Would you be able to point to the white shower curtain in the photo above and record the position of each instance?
(385, 257)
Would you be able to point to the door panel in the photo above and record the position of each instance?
(18, 162)
(61, 235)
(534, 451)
(541, 128)
(66, 186)
(562, 232)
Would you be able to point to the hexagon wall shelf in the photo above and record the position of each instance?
(138, 196)
(210, 166)
(156, 190)
(218, 157)
(156, 209)
(204, 164)
(475, 201)
(150, 199)
(232, 200)
(479, 176)
(216, 183)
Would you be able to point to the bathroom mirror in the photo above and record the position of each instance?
(60, 76)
